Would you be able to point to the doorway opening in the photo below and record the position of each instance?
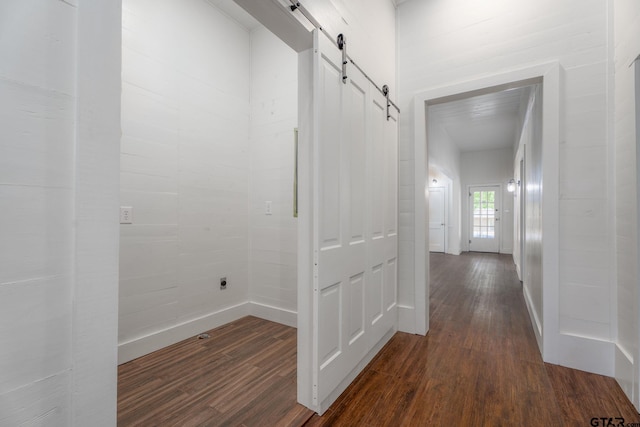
(207, 173)
(482, 138)
(347, 233)
(539, 150)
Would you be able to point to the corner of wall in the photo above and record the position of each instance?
(624, 373)
(274, 314)
(587, 354)
(533, 316)
(140, 346)
(406, 319)
(94, 298)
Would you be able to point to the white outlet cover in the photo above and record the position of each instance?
(267, 207)
(126, 215)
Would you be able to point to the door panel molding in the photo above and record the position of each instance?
(350, 222)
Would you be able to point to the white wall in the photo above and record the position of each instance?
(274, 115)
(59, 98)
(444, 158)
(204, 147)
(184, 170)
(370, 30)
(525, 117)
(489, 167)
(442, 42)
(627, 42)
(529, 149)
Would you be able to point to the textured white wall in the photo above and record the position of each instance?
(59, 103)
(370, 30)
(184, 170)
(445, 42)
(533, 188)
(444, 157)
(523, 137)
(627, 42)
(274, 115)
(37, 195)
(488, 167)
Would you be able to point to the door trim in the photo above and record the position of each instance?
(549, 74)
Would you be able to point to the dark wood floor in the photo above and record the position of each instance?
(478, 366)
(243, 375)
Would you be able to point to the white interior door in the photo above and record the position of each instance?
(437, 219)
(484, 221)
(353, 202)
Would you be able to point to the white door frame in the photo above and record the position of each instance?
(550, 76)
(636, 368)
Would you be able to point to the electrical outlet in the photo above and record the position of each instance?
(126, 215)
(267, 207)
(223, 283)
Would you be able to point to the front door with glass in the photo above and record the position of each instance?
(484, 210)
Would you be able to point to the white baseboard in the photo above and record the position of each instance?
(149, 343)
(586, 354)
(406, 319)
(274, 314)
(624, 374)
(535, 321)
(577, 352)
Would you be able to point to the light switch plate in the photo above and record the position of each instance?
(126, 215)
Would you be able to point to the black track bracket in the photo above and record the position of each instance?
(342, 45)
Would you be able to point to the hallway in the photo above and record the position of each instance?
(479, 364)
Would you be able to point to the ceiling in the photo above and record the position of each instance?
(482, 122)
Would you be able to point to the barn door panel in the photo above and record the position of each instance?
(354, 210)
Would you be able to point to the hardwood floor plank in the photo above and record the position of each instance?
(267, 407)
(244, 374)
(479, 365)
(194, 416)
(398, 359)
(583, 395)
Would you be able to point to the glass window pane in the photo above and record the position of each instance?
(484, 214)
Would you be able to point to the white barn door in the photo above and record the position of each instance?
(353, 201)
